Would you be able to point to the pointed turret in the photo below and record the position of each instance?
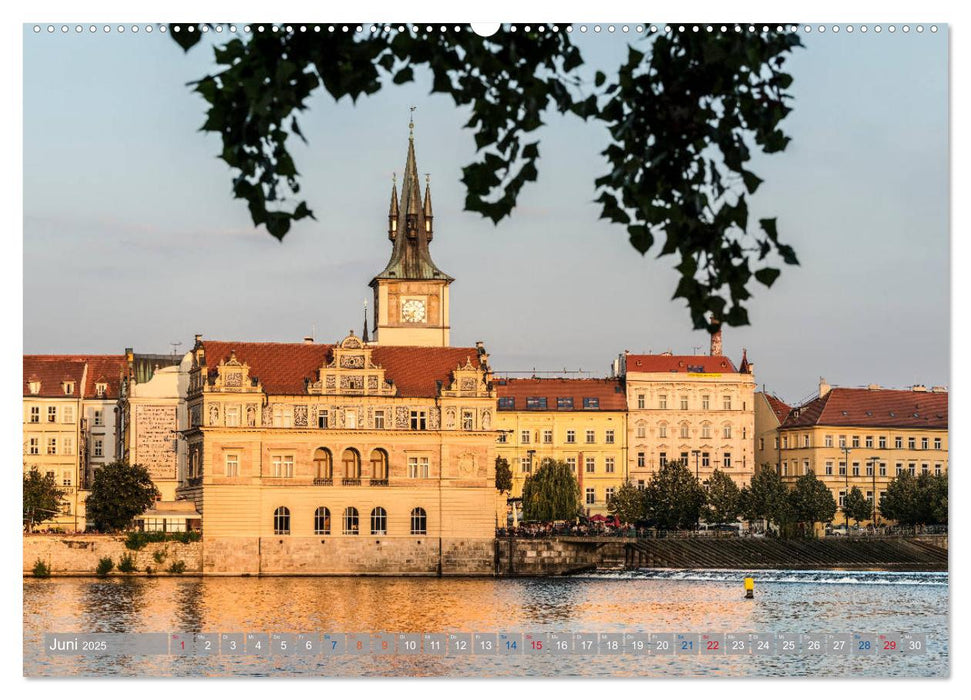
(427, 207)
(364, 336)
(393, 209)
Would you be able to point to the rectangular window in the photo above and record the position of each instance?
(571, 436)
(882, 442)
(805, 440)
(869, 468)
(590, 465)
(536, 403)
(899, 469)
(68, 388)
(419, 420)
(35, 414)
(923, 443)
(828, 441)
(937, 469)
(609, 465)
(68, 445)
(283, 466)
(507, 402)
(591, 403)
(911, 443)
(564, 403)
(842, 498)
(883, 468)
(591, 496)
(842, 441)
(547, 437)
(912, 468)
(761, 444)
(727, 432)
(785, 442)
(662, 431)
(705, 402)
(705, 459)
(68, 416)
(898, 443)
(805, 467)
(640, 484)
(99, 418)
(571, 462)
(34, 446)
(842, 468)
(232, 464)
(937, 443)
(856, 468)
(641, 401)
(684, 458)
(726, 403)
(379, 420)
(418, 467)
(829, 468)
(65, 478)
(323, 418)
(52, 414)
(467, 420)
(525, 436)
(868, 443)
(609, 437)
(608, 493)
(232, 416)
(52, 446)
(684, 403)
(869, 496)
(662, 459)
(775, 443)
(591, 436)
(640, 459)
(727, 460)
(525, 465)
(924, 469)
(685, 430)
(641, 431)
(856, 441)
(662, 401)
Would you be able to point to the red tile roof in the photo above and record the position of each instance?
(778, 406)
(52, 370)
(883, 408)
(609, 392)
(707, 364)
(283, 368)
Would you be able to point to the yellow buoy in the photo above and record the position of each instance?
(750, 588)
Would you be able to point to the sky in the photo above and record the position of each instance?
(131, 237)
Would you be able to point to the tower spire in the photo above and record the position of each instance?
(393, 209)
(364, 335)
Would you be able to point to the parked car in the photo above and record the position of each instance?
(839, 531)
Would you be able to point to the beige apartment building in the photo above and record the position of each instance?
(865, 437)
(770, 413)
(696, 408)
(581, 422)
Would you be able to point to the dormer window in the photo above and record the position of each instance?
(34, 387)
(100, 389)
(68, 388)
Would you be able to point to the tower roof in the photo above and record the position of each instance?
(410, 258)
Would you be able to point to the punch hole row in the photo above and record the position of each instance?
(446, 29)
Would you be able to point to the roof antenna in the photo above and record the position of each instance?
(175, 347)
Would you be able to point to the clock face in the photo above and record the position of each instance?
(413, 311)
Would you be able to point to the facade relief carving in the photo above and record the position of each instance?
(300, 416)
(251, 415)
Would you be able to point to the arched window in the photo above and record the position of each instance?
(684, 430)
(419, 522)
(281, 521)
(379, 521)
(350, 521)
(322, 521)
(323, 463)
(379, 465)
(706, 430)
(352, 463)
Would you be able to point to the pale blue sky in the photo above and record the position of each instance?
(131, 237)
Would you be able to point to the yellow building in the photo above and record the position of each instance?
(770, 412)
(69, 423)
(865, 437)
(578, 421)
(695, 408)
(355, 457)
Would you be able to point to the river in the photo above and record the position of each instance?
(705, 602)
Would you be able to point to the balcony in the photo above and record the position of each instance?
(323, 482)
(379, 482)
(350, 482)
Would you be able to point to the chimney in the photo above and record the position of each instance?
(308, 340)
(716, 338)
(823, 387)
(939, 389)
(875, 387)
(918, 387)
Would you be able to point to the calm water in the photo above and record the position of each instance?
(658, 601)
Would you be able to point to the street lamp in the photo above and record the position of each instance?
(846, 488)
(696, 453)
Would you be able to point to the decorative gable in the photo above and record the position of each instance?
(233, 376)
(467, 381)
(352, 372)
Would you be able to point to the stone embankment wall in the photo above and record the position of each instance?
(78, 555)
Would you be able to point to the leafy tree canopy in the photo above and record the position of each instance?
(552, 493)
(42, 498)
(722, 499)
(856, 505)
(627, 503)
(812, 501)
(685, 112)
(767, 497)
(920, 500)
(674, 497)
(119, 492)
(503, 475)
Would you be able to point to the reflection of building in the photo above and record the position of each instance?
(880, 432)
(770, 412)
(69, 422)
(151, 413)
(578, 421)
(694, 408)
(353, 457)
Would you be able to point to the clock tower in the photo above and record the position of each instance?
(411, 293)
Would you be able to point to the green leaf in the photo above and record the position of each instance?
(405, 75)
(752, 181)
(767, 275)
(599, 78)
(183, 37)
(768, 225)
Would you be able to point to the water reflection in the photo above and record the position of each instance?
(666, 602)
